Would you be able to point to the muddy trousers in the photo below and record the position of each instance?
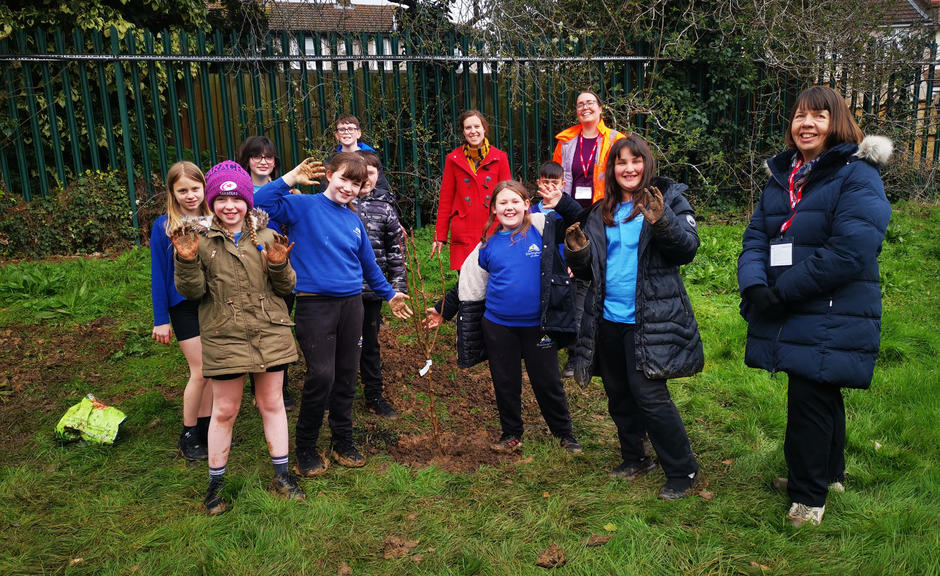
(328, 330)
(507, 347)
(370, 363)
(815, 442)
(640, 406)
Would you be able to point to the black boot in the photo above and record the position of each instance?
(213, 502)
(191, 446)
(379, 405)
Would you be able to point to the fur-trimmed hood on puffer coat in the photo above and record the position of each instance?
(667, 339)
(832, 293)
(243, 321)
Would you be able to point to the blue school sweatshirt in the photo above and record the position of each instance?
(163, 292)
(514, 286)
(332, 252)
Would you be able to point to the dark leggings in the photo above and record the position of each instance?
(507, 347)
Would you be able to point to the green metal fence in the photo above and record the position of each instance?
(74, 102)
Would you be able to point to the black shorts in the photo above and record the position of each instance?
(277, 368)
(184, 318)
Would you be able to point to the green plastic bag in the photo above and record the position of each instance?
(91, 421)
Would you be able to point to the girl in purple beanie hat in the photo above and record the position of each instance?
(241, 271)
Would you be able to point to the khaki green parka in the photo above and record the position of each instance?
(243, 320)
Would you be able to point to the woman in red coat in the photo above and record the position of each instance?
(471, 173)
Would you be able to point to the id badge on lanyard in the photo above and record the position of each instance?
(781, 249)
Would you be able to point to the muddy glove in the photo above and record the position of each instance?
(186, 242)
(575, 239)
(279, 251)
(655, 207)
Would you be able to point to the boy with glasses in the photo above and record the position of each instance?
(347, 136)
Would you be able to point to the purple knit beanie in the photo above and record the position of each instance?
(229, 179)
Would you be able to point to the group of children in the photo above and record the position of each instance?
(226, 279)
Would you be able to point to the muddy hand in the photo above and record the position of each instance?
(279, 251)
(400, 306)
(574, 238)
(186, 242)
(310, 172)
(654, 209)
(433, 318)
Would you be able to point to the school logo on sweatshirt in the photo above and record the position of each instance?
(534, 251)
(358, 232)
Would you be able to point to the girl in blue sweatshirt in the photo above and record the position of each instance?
(185, 196)
(527, 306)
(331, 256)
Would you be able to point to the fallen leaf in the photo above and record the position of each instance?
(877, 445)
(759, 566)
(728, 462)
(417, 558)
(412, 517)
(154, 423)
(706, 494)
(527, 460)
(597, 540)
(545, 494)
(76, 561)
(396, 546)
(551, 557)
(597, 416)
(430, 550)
(610, 527)
(344, 569)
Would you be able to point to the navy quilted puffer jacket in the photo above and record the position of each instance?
(831, 292)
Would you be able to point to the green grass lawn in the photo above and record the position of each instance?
(133, 508)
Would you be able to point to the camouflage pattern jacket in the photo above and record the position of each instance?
(377, 211)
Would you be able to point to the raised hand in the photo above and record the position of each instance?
(186, 242)
(279, 251)
(310, 171)
(574, 238)
(550, 193)
(400, 306)
(654, 209)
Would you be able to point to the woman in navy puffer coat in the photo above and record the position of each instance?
(808, 275)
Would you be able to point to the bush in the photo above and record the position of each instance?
(90, 215)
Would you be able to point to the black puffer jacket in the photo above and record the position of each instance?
(556, 294)
(668, 344)
(377, 212)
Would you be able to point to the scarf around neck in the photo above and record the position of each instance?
(475, 156)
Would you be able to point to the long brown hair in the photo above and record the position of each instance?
(842, 125)
(489, 229)
(613, 194)
(174, 212)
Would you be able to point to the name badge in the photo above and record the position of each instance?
(583, 193)
(781, 253)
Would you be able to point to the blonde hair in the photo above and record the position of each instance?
(512, 186)
(174, 211)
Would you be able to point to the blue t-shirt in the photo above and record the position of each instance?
(623, 240)
(513, 288)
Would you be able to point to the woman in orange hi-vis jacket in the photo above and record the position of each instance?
(582, 150)
(471, 172)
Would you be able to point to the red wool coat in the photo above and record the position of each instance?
(465, 200)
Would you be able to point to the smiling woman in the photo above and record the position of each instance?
(471, 172)
(810, 285)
